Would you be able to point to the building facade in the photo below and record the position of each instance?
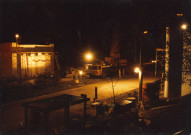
(25, 60)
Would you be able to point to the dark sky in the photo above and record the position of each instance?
(75, 26)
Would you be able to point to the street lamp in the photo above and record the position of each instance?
(140, 70)
(145, 32)
(80, 72)
(18, 57)
(137, 70)
(17, 37)
(89, 56)
(184, 26)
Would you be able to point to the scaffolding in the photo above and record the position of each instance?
(186, 67)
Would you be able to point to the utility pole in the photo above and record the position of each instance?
(141, 67)
(141, 71)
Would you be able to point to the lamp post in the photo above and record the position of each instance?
(138, 70)
(17, 37)
(184, 26)
(141, 68)
(18, 57)
(89, 56)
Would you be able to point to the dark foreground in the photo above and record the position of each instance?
(165, 117)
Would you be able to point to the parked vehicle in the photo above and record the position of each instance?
(94, 70)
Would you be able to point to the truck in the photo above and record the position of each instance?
(94, 70)
(103, 71)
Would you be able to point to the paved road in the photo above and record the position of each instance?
(12, 115)
(105, 88)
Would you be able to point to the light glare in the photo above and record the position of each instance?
(89, 56)
(145, 32)
(16, 35)
(81, 72)
(179, 14)
(184, 26)
(137, 70)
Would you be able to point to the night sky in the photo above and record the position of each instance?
(75, 26)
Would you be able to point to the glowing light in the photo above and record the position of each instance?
(33, 46)
(145, 32)
(154, 61)
(80, 72)
(179, 14)
(137, 70)
(184, 26)
(89, 56)
(16, 35)
(32, 64)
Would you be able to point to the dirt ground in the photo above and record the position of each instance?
(166, 117)
(20, 90)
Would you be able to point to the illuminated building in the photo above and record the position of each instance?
(25, 60)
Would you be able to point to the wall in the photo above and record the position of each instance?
(5, 60)
(34, 60)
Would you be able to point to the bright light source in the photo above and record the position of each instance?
(81, 72)
(154, 61)
(89, 56)
(184, 26)
(137, 70)
(16, 35)
(145, 32)
(179, 14)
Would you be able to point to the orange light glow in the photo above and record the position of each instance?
(89, 56)
(153, 61)
(32, 46)
(32, 64)
(179, 14)
(16, 35)
(145, 32)
(137, 70)
(183, 26)
(81, 72)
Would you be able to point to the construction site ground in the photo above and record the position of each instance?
(168, 117)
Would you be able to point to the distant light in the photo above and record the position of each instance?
(16, 35)
(81, 72)
(154, 61)
(184, 26)
(145, 32)
(179, 14)
(137, 70)
(89, 56)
